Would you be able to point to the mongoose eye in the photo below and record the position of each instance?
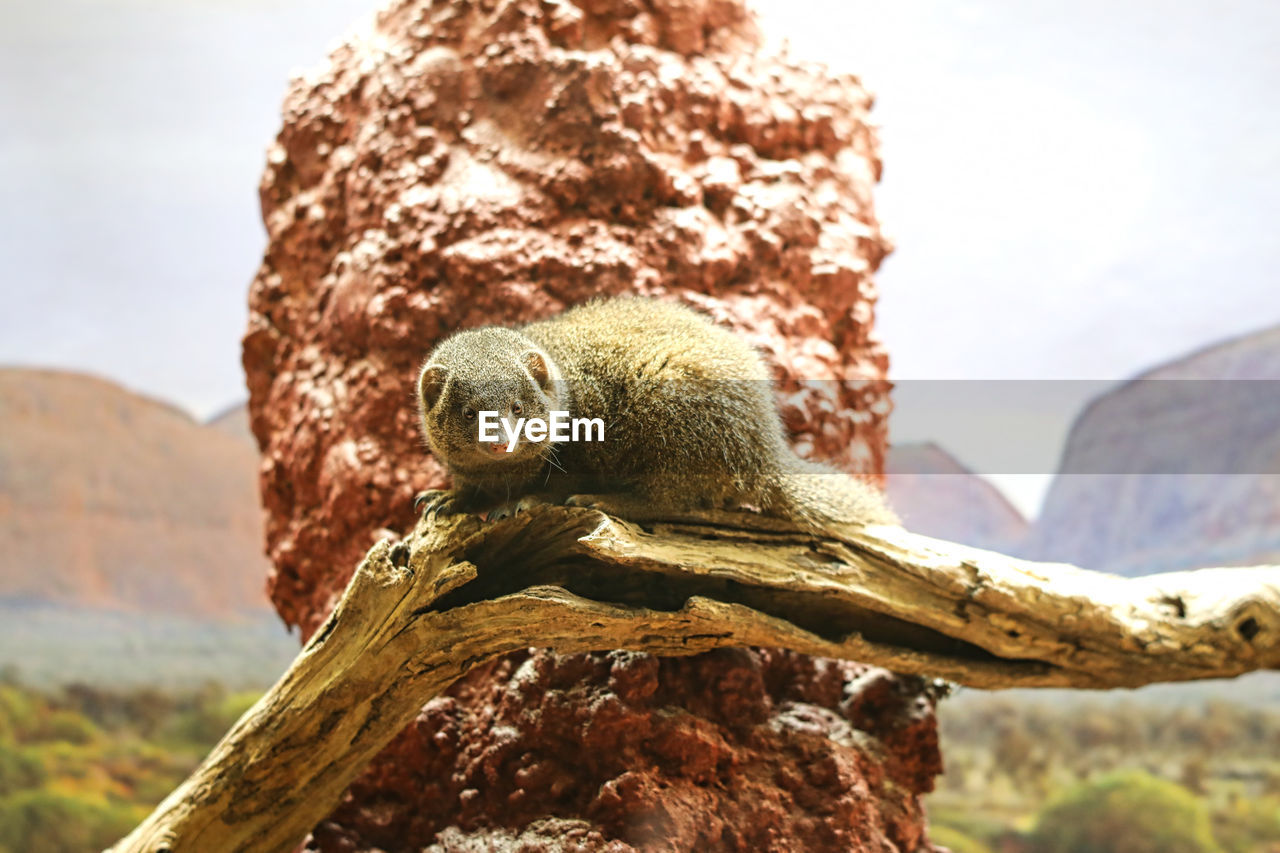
(469, 414)
(516, 408)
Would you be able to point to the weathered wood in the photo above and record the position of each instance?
(458, 592)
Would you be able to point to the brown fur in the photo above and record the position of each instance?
(689, 410)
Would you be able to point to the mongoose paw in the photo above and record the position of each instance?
(514, 508)
(425, 497)
(438, 503)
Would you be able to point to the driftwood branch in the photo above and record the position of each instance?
(457, 592)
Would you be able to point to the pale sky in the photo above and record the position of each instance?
(1076, 189)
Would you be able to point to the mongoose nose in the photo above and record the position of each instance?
(497, 447)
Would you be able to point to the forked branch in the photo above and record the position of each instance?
(457, 592)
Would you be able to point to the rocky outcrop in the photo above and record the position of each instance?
(110, 499)
(472, 163)
(935, 495)
(738, 749)
(1176, 469)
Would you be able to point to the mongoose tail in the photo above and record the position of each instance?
(817, 495)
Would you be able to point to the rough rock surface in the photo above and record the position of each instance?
(741, 749)
(460, 164)
(472, 163)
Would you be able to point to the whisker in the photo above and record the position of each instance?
(552, 458)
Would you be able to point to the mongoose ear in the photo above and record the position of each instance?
(536, 363)
(430, 384)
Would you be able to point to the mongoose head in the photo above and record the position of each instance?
(485, 370)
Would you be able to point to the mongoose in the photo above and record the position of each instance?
(689, 416)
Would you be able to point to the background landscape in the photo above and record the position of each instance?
(136, 629)
(1083, 196)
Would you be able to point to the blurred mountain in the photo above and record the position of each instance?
(112, 499)
(234, 420)
(1176, 469)
(126, 528)
(935, 495)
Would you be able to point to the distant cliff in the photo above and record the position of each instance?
(935, 495)
(113, 499)
(1177, 469)
(235, 420)
(130, 538)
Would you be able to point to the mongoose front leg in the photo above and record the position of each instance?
(514, 508)
(445, 502)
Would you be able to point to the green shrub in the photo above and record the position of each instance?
(19, 769)
(983, 828)
(1125, 812)
(65, 727)
(42, 822)
(18, 711)
(232, 708)
(956, 841)
(204, 725)
(1247, 824)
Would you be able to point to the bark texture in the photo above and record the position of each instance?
(421, 613)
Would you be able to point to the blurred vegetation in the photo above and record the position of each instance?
(1027, 776)
(956, 841)
(80, 766)
(1125, 812)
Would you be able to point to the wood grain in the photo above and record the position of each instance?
(458, 591)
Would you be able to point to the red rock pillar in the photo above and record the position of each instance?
(469, 163)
